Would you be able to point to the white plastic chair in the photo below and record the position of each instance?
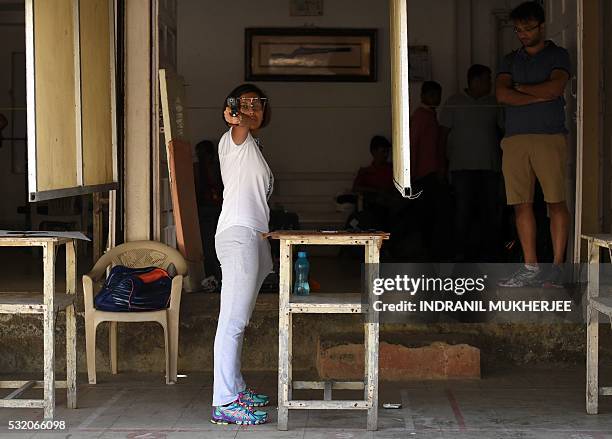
(136, 254)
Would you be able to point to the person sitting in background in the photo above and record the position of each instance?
(378, 177)
(427, 164)
(209, 192)
(471, 119)
(375, 184)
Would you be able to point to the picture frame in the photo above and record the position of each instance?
(311, 54)
(419, 63)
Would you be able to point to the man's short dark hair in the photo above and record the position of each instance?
(430, 87)
(379, 142)
(528, 11)
(250, 88)
(477, 71)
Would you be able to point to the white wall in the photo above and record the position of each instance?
(484, 40)
(318, 129)
(433, 24)
(12, 185)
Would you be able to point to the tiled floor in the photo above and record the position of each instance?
(517, 403)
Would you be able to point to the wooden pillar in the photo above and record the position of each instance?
(138, 115)
(590, 128)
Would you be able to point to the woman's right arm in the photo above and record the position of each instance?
(241, 125)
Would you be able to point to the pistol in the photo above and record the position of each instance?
(234, 105)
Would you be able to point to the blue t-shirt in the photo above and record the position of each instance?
(542, 117)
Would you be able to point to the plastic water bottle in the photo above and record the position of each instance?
(302, 267)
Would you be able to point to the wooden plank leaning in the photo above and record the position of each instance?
(71, 352)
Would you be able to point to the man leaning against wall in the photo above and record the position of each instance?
(531, 82)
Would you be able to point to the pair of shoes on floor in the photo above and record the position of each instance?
(534, 276)
(242, 410)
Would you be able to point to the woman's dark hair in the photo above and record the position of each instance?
(477, 71)
(250, 88)
(379, 142)
(528, 11)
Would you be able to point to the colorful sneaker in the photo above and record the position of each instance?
(237, 413)
(523, 277)
(252, 399)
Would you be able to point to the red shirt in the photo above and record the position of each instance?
(377, 177)
(426, 152)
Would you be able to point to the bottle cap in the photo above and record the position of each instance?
(301, 254)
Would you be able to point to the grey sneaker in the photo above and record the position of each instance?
(523, 277)
(553, 277)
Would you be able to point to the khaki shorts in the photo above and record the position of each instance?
(530, 156)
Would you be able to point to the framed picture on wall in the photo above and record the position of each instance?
(310, 54)
(419, 63)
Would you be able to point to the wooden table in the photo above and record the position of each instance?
(48, 304)
(595, 305)
(350, 303)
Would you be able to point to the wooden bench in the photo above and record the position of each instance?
(290, 304)
(48, 304)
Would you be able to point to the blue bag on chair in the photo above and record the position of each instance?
(135, 289)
